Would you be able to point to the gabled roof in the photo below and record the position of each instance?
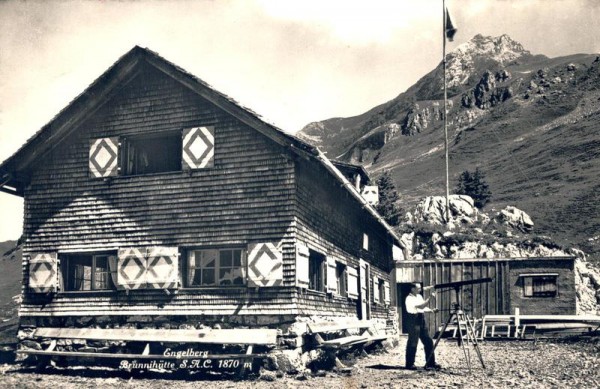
(13, 171)
(350, 169)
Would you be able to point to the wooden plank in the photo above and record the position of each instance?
(478, 291)
(345, 341)
(224, 336)
(554, 318)
(334, 326)
(558, 326)
(132, 356)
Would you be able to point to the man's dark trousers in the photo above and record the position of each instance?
(417, 329)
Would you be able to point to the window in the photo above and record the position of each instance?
(340, 276)
(316, 280)
(381, 290)
(540, 285)
(155, 153)
(216, 267)
(89, 272)
(365, 244)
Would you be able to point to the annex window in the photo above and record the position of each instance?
(157, 153)
(88, 272)
(216, 267)
(316, 263)
(340, 276)
(540, 285)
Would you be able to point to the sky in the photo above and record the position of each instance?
(292, 62)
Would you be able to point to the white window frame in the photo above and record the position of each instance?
(532, 276)
(341, 279)
(67, 275)
(216, 269)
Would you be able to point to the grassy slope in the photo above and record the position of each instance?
(540, 154)
(10, 286)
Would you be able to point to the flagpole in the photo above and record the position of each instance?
(445, 113)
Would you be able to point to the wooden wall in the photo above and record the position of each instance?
(565, 301)
(330, 221)
(476, 300)
(247, 196)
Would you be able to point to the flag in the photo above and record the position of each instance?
(450, 30)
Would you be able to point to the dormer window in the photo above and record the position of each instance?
(168, 151)
(158, 153)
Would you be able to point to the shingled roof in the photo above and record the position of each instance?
(14, 170)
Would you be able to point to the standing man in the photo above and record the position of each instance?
(416, 306)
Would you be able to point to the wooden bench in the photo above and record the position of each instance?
(504, 326)
(497, 326)
(154, 339)
(326, 334)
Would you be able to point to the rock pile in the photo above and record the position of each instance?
(587, 285)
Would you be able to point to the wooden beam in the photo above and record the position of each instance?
(132, 356)
(225, 336)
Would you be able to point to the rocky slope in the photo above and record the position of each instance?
(528, 121)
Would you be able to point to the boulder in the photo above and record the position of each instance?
(288, 361)
(515, 218)
(432, 210)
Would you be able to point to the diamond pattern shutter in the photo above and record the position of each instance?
(352, 282)
(386, 292)
(198, 148)
(331, 276)
(43, 273)
(265, 264)
(104, 157)
(302, 253)
(131, 268)
(162, 268)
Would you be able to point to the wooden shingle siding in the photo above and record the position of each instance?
(317, 303)
(331, 222)
(324, 206)
(248, 196)
(238, 301)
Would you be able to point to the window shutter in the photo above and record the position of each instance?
(528, 286)
(265, 264)
(302, 278)
(162, 268)
(352, 282)
(375, 289)
(104, 157)
(131, 268)
(331, 275)
(386, 292)
(198, 147)
(43, 273)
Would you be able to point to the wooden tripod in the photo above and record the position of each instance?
(470, 337)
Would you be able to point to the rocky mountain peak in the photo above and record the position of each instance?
(502, 49)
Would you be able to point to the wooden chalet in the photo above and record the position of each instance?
(154, 201)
